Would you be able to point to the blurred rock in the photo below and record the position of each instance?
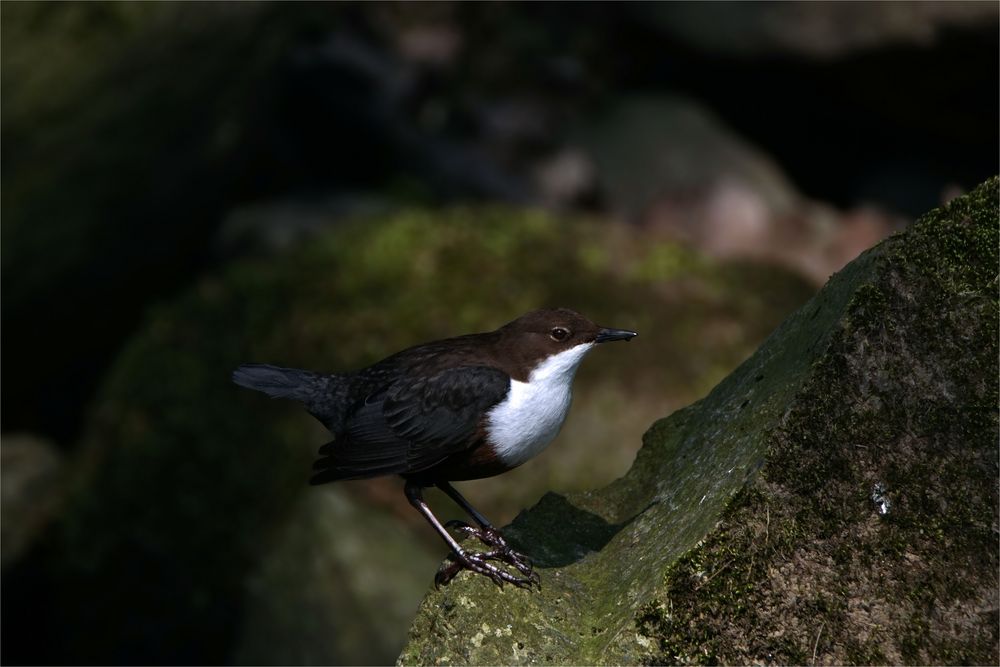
(669, 151)
(387, 77)
(115, 169)
(816, 239)
(429, 44)
(834, 500)
(566, 179)
(667, 163)
(30, 488)
(507, 125)
(335, 586)
(274, 227)
(814, 29)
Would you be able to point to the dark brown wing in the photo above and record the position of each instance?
(412, 424)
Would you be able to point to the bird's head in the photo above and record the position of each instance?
(556, 337)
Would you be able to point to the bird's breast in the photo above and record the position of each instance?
(527, 420)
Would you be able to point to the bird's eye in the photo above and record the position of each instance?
(559, 334)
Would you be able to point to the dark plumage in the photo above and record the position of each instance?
(412, 424)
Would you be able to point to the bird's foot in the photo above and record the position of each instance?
(500, 550)
(489, 536)
(478, 562)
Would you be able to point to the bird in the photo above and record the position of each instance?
(456, 409)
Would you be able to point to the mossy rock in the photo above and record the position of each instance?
(117, 172)
(834, 500)
(190, 534)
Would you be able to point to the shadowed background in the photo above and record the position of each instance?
(190, 186)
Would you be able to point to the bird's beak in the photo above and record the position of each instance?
(608, 335)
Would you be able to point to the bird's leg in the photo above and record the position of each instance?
(464, 504)
(462, 559)
(486, 533)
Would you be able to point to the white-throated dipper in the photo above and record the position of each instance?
(462, 408)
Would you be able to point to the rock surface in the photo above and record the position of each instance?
(834, 500)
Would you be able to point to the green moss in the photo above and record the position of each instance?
(664, 261)
(905, 397)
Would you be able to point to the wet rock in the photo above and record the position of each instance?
(746, 530)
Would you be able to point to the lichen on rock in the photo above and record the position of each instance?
(834, 500)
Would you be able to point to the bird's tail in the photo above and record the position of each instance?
(318, 393)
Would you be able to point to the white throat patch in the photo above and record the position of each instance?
(530, 417)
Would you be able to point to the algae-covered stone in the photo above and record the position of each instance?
(190, 535)
(833, 500)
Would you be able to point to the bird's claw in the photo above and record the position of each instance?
(478, 561)
(492, 538)
(488, 535)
